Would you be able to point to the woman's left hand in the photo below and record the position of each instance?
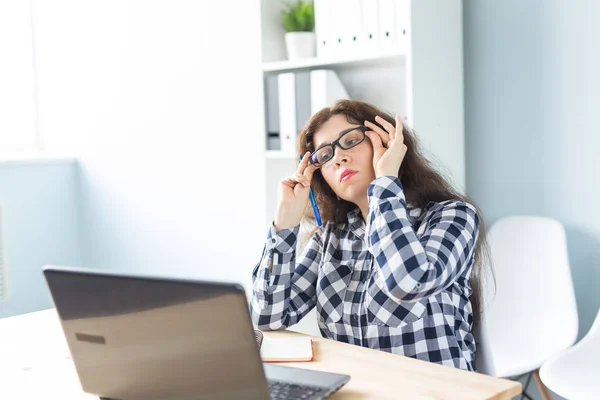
(388, 147)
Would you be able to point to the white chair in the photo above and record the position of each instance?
(533, 314)
(575, 373)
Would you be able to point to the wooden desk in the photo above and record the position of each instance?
(35, 364)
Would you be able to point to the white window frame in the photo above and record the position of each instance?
(19, 130)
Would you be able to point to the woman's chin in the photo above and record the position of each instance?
(353, 194)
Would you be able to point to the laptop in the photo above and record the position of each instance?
(142, 337)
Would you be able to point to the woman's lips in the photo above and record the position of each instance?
(348, 176)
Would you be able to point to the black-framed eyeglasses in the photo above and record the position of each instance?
(348, 139)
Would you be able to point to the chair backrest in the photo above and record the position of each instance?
(592, 338)
(533, 313)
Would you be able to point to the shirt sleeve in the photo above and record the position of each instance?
(284, 293)
(411, 268)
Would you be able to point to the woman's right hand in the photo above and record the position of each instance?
(293, 195)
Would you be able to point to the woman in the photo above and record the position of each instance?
(396, 264)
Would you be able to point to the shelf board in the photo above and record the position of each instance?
(311, 63)
(279, 154)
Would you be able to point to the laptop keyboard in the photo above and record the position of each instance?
(290, 391)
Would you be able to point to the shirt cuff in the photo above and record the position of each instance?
(284, 241)
(386, 187)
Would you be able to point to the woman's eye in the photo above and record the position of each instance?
(325, 156)
(350, 142)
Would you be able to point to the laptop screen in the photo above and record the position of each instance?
(135, 337)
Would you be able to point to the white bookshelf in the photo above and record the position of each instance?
(332, 62)
(278, 154)
(421, 80)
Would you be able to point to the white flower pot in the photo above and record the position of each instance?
(300, 45)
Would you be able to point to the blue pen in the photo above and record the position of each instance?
(314, 205)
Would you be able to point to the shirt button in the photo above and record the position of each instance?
(273, 240)
(418, 285)
(354, 317)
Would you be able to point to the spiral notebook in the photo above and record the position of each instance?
(284, 349)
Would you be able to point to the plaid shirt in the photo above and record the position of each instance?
(399, 283)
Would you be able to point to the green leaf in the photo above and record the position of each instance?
(298, 16)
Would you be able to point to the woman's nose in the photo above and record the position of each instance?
(341, 156)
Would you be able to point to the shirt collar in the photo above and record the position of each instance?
(356, 223)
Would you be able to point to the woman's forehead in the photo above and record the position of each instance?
(331, 130)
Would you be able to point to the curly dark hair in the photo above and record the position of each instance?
(421, 183)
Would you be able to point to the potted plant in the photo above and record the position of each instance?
(298, 20)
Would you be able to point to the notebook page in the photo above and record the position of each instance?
(286, 349)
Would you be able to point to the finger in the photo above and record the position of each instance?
(376, 140)
(397, 147)
(399, 135)
(292, 181)
(309, 171)
(386, 125)
(385, 137)
(289, 183)
(302, 179)
(303, 163)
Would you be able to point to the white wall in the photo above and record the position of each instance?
(158, 100)
(532, 84)
(17, 91)
(435, 83)
(532, 131)
(39, 227)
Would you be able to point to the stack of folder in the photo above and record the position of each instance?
(291, 98)
(350, 27)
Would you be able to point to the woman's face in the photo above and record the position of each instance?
(358, 161)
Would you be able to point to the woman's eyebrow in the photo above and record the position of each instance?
(340, 134)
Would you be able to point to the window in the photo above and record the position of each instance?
(18, 131)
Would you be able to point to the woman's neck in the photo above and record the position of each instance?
(363, 204)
